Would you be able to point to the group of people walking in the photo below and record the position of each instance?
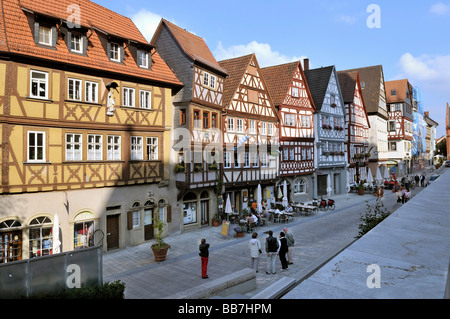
(281, 247)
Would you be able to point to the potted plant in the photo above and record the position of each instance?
(212, 166)
(216, 220)
(239, 231)
(361, 188)
(160, 247)
(179, 167)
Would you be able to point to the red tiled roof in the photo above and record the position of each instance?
(17, 37)
(400, 86)
(193, 45)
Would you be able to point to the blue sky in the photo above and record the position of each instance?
(412, 41)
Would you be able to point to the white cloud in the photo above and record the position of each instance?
(263, 51)
(430, 71)
(147, 22)
(440, 8)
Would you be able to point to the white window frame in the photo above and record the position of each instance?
(239, 125)
(299, 186)
(136, 218)
(263, 128)
(38, 83)
(36, 147)
(128, 98)
(74, 149)
(212, 81)
(270, 129)
(136, 148)
(305, 121)
(227, 160)
(145, 99)
(205, 79)
(152, 148)
(49, 34)
(114, 148)
(76, 88)
(76, 39)
(255, 159)
(143, 59)
(292, 154)
(231, 124)
(114, 50)
(94, 147)
(91, 91)
(295, 91)
(252, 127)
(264, 162)
(246, 159)
(289, 119)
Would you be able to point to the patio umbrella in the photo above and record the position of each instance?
(56, 241)
(280, 194)
(285, 199)
(370, 177)
(228, 209)
(259, 199)
(386, 173)
(378, 177)
(329, 189)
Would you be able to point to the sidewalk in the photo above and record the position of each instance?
(405, 257)
(145, 278)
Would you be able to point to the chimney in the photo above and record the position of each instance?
(305, 64)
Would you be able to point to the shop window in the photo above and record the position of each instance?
(40, 237)
(84, 230)
(10, 241)
(189, 209)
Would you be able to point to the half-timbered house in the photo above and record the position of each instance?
(291, 96)
(399, 101)
(197, 121)
(356, 126)
(329, 123)
(85, 127)
(249, 133)
(374, 94)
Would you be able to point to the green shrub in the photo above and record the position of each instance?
(109, 290)
(372, 217)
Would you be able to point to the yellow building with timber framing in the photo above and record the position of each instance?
(85, 120)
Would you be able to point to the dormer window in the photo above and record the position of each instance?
(143, 59)
(114, 52)
(45, 35)
(76, 43)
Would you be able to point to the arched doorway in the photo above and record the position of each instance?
(189, 208)
(148, 219)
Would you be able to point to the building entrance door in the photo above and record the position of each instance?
(148, 224)
(112, 231)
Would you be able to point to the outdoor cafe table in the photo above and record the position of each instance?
(305, 208)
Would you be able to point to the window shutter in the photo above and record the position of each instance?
(36, 32)
(121, 50)
(85, 44)
(54, 36)
(129, 220)
(69, 40)
(169, 213)
(108, 50)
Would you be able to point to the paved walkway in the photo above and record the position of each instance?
(405, 257)
(145, 278)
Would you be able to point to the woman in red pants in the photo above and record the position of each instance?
(204, 254)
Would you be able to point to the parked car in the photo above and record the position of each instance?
(447, 163)
(433, 177)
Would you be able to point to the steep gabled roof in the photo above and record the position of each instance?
(347, 82)
(401, 87)
(192, 45)
(235, 68)
(371, 76)
(318, 80)
(17, 37)
(278, 78)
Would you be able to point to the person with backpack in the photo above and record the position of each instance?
(272, 247)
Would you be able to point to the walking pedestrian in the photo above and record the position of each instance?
(204, 256)
(271, 247)
(283, 251)
(417, 179)
(422, 180)
(255, 251)
(290, 244)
